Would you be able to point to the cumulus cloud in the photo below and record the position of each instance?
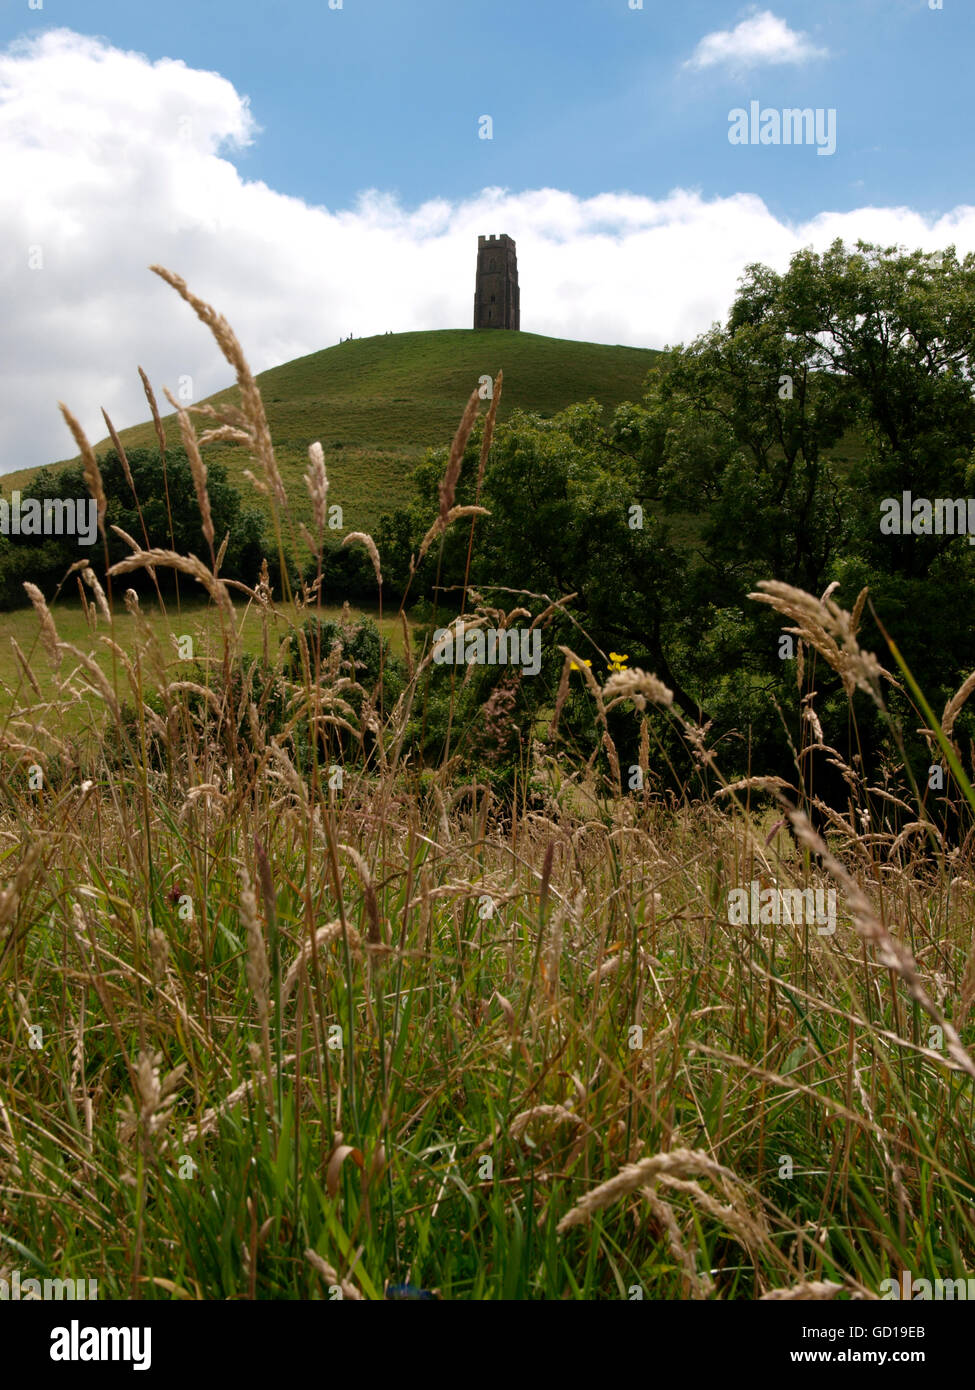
(113, 163)
(761, 39)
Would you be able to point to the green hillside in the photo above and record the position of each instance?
(377, 403)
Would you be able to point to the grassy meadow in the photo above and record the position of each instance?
(269, 1033)
(169, 623)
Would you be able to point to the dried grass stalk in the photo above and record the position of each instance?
(764, 784)
(442, 522)
(448, 484)
(638, 686)
(330, 1276)
(817, 1289)
(119, 449)
(365, 539)
(407, 646)
(890, 952)
(250, 396)
(332, 931)
(701, 1285)
(91, 579)
(953, 707)
(555, 1113)
(188, 564)
(374, 933)
(258, 974)
(49, 633)
(96, 679)
(154, 408)
(10, 897)
(678, 1163)
(208, 1122)
(24, 665)
(89, 464)
(316, 481)
(489, 430)
(197, 467)
(562, 694)
(829, 630)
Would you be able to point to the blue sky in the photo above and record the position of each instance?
(318, 171)
(585, 94)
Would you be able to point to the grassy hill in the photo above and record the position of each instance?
(377, 403)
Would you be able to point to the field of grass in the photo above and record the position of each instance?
(194, 618)
(298, 1018)
(377, 403)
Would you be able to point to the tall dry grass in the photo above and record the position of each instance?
(268, 1036)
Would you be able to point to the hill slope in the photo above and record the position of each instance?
(377, 403)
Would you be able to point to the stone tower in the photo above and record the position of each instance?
(496, 299)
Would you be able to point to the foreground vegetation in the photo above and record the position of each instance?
(294, 1008)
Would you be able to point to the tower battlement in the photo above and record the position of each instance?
(497, 299)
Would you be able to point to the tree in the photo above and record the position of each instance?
(161, 511)
(764, 449)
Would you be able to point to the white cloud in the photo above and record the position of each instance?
(113, 163)
(761, 39)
